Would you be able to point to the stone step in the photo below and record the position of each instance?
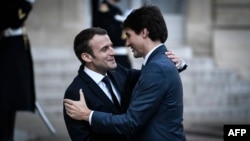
(214, 75)
(209, 93)
(212, 130)
(204, 87)
(225, 114)
(64, 67)
(200, 63)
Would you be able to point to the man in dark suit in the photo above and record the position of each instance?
(17, 92)
(94, 49)
(156, 108)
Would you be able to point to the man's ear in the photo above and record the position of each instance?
(144, 32)
(86, 57)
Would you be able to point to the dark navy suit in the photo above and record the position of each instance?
(156, 109)
(123, 79)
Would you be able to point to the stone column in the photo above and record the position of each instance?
(198, 29)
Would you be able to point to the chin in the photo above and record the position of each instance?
(113, 66)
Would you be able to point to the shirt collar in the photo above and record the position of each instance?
(97, 77)
(149, 53)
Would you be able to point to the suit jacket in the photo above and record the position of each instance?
(156, 109)
(122, 78)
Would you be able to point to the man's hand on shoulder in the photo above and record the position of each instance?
(77, 110)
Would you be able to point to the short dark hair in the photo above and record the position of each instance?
(149, 17)
(81, 42)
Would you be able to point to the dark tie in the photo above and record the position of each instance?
(106, 80)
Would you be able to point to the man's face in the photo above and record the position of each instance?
(135, 42)
(102, 59)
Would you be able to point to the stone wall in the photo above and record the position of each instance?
(54, 23)
(198, 26)
(231, 44)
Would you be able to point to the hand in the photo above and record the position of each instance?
(77, 109)
(177, 60)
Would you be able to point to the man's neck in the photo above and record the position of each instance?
(149, 53)
(97, 77)
(91, 68)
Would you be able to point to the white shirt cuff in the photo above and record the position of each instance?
(181, 65)
(90, 117)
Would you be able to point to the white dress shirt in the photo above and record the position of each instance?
(97, 77)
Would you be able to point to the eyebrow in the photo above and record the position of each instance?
(107, 46)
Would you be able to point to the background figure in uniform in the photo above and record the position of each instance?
(94, 10)
(105, 16)
(17, 92)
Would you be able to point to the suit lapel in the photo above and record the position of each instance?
(97, 90)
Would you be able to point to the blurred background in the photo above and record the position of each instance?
(212, 36)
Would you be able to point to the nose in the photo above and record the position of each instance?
(112, 51)
(127, 44)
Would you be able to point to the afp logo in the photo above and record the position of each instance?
(236, 132)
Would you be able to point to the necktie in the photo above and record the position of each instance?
(106, 80)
